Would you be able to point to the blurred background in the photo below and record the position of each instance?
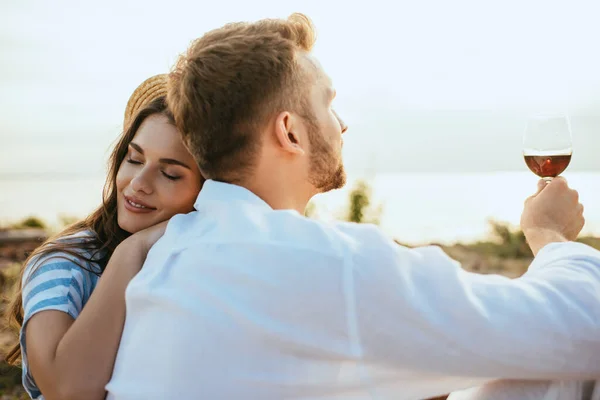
(436, 94)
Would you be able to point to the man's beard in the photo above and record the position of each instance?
(335, 180)
(326, 167)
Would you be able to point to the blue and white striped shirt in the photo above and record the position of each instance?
(55, 282)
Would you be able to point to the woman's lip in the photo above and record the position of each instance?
(138, 201)
(140, 210)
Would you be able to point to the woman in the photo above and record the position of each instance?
(70, 306)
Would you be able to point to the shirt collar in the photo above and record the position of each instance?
(221, 192)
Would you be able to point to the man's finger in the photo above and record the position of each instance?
(541, 185)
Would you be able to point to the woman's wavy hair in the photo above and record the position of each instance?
(102, 222)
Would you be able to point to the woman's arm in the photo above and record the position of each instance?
(73, 359)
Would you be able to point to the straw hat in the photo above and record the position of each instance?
(147, 91)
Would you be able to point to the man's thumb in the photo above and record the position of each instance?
(541, 185)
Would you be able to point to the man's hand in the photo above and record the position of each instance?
(553, 214)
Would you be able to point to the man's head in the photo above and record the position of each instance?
(250, 94)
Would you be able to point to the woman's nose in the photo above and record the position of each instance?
(142, 182)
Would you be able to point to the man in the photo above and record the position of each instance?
(247, 299)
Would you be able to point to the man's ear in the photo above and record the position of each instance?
(290, 133)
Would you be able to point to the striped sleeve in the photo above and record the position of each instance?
(57, 284)
(54, 282)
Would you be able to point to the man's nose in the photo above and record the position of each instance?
(341, 121)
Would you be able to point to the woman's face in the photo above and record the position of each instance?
(158, 177)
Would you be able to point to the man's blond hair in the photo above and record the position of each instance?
(231, 81)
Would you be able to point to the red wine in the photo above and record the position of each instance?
(548, 166)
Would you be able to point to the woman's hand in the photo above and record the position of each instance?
(149, 236)
(143, 240)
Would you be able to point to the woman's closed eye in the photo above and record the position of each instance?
(171, 176)
(130, 160)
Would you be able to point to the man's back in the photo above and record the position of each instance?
(240, 301)
(249, 307)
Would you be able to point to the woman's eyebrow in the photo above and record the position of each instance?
(169, 161)
(173, 162)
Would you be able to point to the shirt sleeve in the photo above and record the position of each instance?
(418, 310)
(55, 284)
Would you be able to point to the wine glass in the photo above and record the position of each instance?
(547, 145)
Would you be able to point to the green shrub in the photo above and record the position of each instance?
(30, 222)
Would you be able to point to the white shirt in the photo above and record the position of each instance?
(238, 301)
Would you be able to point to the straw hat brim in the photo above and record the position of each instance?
(147, 91)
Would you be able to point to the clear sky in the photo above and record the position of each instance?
(424, 85)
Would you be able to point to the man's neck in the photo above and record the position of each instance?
(279, 196)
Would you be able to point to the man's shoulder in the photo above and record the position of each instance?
(363, 233)
(281, 228)
(330, 236)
